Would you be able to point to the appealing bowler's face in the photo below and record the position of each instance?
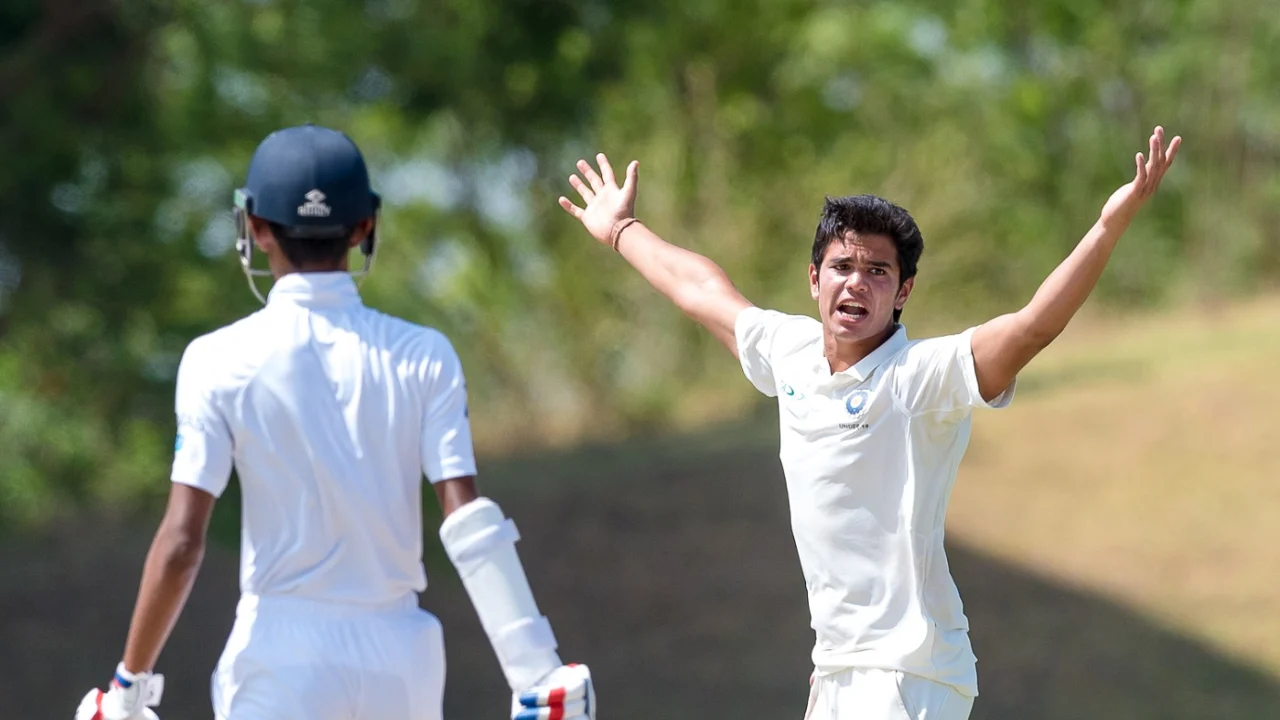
(857, 289)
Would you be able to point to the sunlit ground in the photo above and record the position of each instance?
(1141, 462)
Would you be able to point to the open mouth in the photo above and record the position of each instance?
(852, 311)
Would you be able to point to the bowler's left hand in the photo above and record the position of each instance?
(1124, 203)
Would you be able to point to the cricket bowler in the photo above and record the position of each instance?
(873, 424)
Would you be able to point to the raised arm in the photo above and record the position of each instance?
(1004, 345)
(694, 283)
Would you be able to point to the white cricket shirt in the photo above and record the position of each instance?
(330, 412)
(870, 456)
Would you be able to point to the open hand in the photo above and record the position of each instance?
(606, 202)
(1125, 202)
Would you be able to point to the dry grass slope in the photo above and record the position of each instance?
(1142, 464)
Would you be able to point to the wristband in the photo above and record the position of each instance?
(618, 227)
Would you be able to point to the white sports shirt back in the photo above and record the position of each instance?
(870, 456)
(331, 413)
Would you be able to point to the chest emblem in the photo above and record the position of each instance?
(857, 401)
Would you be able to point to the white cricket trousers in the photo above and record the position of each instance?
(297, 659)
(872, 694)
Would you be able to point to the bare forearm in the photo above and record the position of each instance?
(694, 283)
(673, 271)
(1065, 291)
(167, 578)
(698, 286)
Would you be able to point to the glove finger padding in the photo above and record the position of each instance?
(565, 693)
(568, 682)
(91, 706)
(567, 711)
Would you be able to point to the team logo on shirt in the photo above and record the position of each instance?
(177, 443)
(791, 392)
(856, 403)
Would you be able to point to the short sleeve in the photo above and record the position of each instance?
(938, 375)
(756, 331)
(446, 446)
(203, 452)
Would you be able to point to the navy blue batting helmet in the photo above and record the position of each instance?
(312, 181)
(309, 176)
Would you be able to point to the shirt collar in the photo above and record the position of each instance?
(863, 368)
(315, 289)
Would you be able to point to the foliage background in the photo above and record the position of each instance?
(1002, 125)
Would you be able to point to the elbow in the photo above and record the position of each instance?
(179, 551)
(708, 276)
(1038, 332)
(713, 283)
(1041, 339)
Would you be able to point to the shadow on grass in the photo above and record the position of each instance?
(668, 567)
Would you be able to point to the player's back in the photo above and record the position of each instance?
(333, 411)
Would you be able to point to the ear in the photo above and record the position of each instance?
(261, 233)
(904, 292)
(361, 233)
(813, 281)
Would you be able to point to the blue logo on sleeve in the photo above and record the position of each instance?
(177, 443)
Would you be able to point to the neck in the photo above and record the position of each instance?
(286, 268)
(842, 356)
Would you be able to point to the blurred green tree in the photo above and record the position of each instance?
(1001, 125)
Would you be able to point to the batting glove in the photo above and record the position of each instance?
(566, 693)
(130, 696)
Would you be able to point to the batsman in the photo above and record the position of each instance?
(330, 413)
